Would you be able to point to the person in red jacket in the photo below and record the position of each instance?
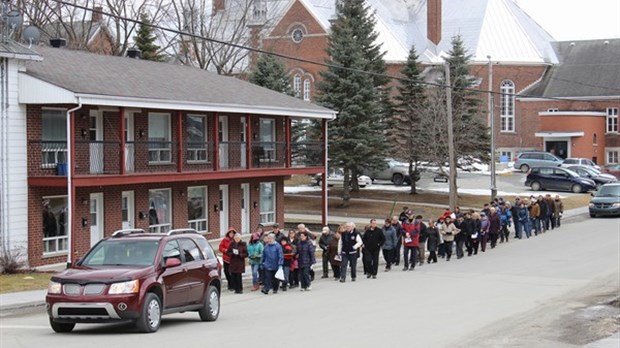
(224, 244)
(411, 241)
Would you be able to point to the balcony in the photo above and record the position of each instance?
(105, 158)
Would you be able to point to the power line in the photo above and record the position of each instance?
(303, 60)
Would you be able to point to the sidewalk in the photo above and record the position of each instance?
(16, 301)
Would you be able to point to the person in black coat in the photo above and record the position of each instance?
(373, 239)
(238, 252)
(432, 241)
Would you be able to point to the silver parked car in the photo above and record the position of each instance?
(395, 171)
(531, 159)
(569, 162)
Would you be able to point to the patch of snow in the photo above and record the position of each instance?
(300, 189)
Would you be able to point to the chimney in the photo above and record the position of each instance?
(219, 5)
(134, 53)
(97, 15)
(433, 21)
(58, 42)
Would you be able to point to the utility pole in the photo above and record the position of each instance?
(451, 156)
(492, 120)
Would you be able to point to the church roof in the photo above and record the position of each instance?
(588, 68)
(496, 28)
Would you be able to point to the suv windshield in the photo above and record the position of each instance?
(609, 191)
(119, 252)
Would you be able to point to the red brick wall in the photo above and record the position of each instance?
(112, 210)
(580, 146)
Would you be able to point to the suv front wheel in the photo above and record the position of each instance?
(150, 318)
(211, 306)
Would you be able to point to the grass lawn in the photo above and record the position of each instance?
(379, 209)
(23, 281)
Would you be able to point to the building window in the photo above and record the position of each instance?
(197, 208)
(267, 202)
(612, 120)
(594, 139)
(55, 225)
(160, 211)
(159, 138)
(612, 156)
(297, 35)
(196, 133)
(268, 139)
(507, 106)
(307, 89)
(53, 138)
(297, 85)
(505, 156)
(553, 110)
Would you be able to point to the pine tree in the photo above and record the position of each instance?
(270, 72)
(406, 134)
(471, 133)
(145, 40)
(356, 139)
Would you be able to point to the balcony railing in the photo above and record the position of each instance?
(269, 154)
(307, 154)
(48, 158)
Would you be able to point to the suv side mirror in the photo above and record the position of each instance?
(172, 262)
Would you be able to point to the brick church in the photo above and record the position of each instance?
(561, 97)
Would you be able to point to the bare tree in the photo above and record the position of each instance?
(78, 25)
(239, 23)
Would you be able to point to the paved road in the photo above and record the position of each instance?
(437, 305)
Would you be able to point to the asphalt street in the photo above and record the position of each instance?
(439, 305)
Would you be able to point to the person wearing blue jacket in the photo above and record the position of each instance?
(389, 246)
(523, 215)
(273, 259)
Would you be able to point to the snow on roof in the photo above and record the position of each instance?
(498, 28)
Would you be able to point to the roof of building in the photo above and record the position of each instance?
(12, 49)
(589, 68)
(131, 82)
(499, 28)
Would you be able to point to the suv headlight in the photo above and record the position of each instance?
(130, 287)
(591, 205)
(616, 205)
(54, 287)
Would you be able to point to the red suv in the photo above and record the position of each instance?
(137, 277)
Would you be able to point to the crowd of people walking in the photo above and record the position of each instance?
(281, 261)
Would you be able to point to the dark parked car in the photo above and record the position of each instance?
(137, 277)
(593, 174)
(556, 178)
(606, 201)
(612, 169)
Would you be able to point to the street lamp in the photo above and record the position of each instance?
(492, 121)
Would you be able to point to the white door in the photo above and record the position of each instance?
(96, 217)
(223, 139)
(95, 133)
(129, 142)
(223, 210)
(127, 209)
(245, 208)
(244, 140)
